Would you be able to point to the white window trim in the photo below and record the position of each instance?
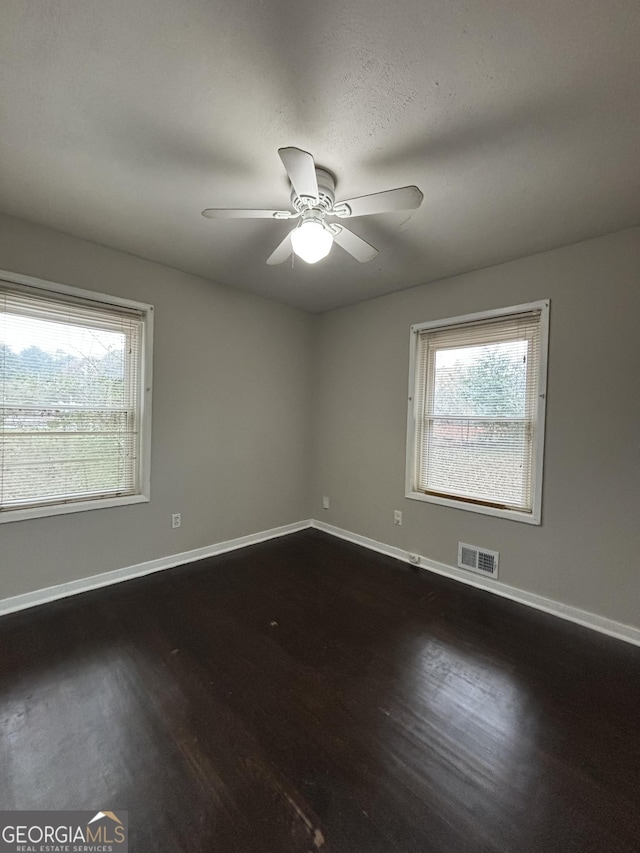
(144, 402)
(534, 517)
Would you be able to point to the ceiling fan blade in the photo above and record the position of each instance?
(403, 198)
(301, 169)
(350, 242)
(242, 213)
(282, 252)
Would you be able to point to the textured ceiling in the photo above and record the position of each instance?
(518, 119)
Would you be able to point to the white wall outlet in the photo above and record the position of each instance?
(397, 517)
(414, 559)
(176, 520)
(325, 502)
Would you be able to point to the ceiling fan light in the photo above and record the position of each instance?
(311, 241)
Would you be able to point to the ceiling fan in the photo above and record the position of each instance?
(313, 201)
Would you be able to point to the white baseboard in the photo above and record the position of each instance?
(538, 602)
(52, 593)
(573, 614)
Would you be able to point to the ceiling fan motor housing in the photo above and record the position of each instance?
(326, 194)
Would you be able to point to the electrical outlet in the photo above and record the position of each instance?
(176, 520)
(325, 502)
(397, 517)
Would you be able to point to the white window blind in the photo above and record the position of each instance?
(476, 410)
(70, 398)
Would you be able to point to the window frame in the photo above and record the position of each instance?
(143, 474)
(537, 468)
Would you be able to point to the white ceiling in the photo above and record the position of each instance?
(518, 119)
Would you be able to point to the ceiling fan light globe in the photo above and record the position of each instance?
(311, 241)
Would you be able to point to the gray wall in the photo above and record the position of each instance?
(231, 407)
(585, 554)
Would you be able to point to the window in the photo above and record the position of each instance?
(476, 412)
(75, 399)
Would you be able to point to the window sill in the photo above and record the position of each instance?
(63, 509)
(511, 514)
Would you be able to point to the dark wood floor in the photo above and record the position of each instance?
(305, 695)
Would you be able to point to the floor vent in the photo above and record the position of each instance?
(478, 560)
